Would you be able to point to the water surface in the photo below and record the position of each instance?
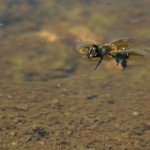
(51, 96)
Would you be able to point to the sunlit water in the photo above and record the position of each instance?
(51, 96)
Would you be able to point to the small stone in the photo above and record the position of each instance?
(12, 133)
(41, 142)
(69, 132)
(135, 113)
(55, 103)
(14, 143)
(67, 113)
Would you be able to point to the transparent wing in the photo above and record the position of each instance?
(120, 41)
(82, 47)
(137, 56)
(138, 52)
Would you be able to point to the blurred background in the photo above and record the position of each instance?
(50, 92)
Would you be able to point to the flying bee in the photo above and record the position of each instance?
(118, 48)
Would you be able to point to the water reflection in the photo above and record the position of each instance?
(54, 32)
(51, 97)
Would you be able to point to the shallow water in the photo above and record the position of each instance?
(51, 96)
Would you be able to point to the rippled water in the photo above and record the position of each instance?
(49, 92)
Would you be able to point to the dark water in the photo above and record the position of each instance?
(51, 96)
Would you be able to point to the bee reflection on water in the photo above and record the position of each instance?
(117, 48)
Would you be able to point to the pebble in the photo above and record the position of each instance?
(135, 113)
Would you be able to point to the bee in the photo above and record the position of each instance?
(118, 48)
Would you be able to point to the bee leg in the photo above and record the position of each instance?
(117, 60)
(98, 63)
(124, 64)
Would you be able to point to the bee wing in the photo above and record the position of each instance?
(137, 55)
(120, 41)
(138, 52)
(82, 47)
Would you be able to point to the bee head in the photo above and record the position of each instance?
(93, 51)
